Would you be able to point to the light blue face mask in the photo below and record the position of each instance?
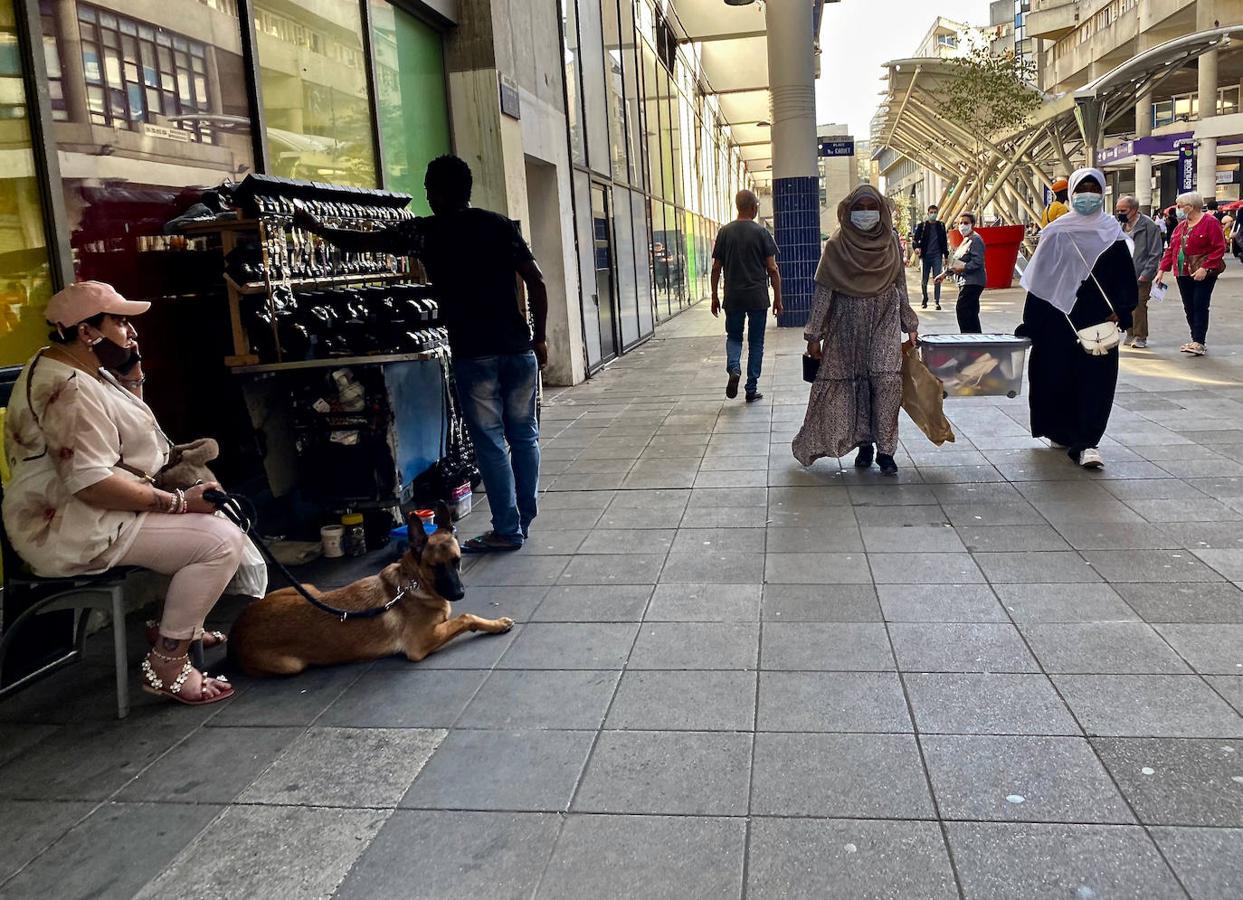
(1085, 204)
(1180, 213)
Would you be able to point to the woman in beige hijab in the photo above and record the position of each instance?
(859, 312)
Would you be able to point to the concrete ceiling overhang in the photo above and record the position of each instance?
(732, 48)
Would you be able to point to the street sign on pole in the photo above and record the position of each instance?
(837, 146)
(1187, 165)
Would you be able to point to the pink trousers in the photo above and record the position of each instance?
(200, 552)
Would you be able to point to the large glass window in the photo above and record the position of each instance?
(410, 91)
(315, 100)
(25, 277)
(573, 81)
(595, 102)
(630, 60)
(613, 85)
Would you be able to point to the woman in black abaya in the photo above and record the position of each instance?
(1079, 255)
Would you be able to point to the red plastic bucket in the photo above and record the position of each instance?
(1001, 251)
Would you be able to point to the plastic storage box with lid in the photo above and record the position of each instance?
(976, 365)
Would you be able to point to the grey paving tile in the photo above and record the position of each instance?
(736, 499)
(964, 493)
(594, 603)
(816, 568)
(287, 701)
(673, 602)
(1021, 779)
(625, 541)
(212, 765)
(1123, 536)
(1178, 781)
(1206, 535)
(404, 696)
(1102, 648)
(1033, 603)
(667, 772)
(825, 518)
(713, 566)
(891, 495)
(599, 481)
(839, 775)
(1150, 565)
(462, 856)
(1010, 538)
(960, 647)
(825, 646)
(848, 859)
(1033, 862)
(630, 501)
(832, 702)
(647, 856)
(924, 568)
(1200, 509)
(1210, 649)
(723, 540)
(1221, 602)
(516, 569)
(939, 603)
(633, 568)
(571, 645)
(1004, 512)
(478, 650)
(841, 539)
(684, 701)
(17, 739)
(1027, 567)
(89, 761)
(565, 520)
(900, 516)
(112, 853)
(43, 822)
(1148, 706)
(1230, 687)
(534, 698)
(988, 704)
(502, 770)
(1208, 861)
(696, 645)
(1084, 510)
(345, 767)
(659, 518)
(494, 602)
(820, 603)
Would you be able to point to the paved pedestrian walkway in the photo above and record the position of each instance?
(997, 676)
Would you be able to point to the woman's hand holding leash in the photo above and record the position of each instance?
(196, 502)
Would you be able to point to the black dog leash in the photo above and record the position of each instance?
(230, 505)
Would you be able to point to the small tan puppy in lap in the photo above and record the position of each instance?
(282, 634)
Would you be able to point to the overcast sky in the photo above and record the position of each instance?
(857, 36)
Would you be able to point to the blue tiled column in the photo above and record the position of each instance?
(796, 221)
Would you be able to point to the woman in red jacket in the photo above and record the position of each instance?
(1196, 255)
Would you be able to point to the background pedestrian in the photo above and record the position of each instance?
(1196, 255)
(1146, 255)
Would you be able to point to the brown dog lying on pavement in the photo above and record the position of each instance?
(282, 634)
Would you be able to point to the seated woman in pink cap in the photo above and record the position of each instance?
(80, 443)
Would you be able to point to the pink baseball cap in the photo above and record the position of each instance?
(84, 299)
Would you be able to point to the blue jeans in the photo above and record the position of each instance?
(498, 404)
(734, 321)
(931, 265)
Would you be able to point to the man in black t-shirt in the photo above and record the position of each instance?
(472, 257)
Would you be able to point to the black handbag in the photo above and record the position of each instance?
(811, 366)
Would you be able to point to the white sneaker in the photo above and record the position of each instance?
(1140, 344)
(1091, 459)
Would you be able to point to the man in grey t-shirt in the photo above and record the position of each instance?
(747, 253)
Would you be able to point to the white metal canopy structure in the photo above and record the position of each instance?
(1011, 170)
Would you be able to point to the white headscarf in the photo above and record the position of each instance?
(1068, 249)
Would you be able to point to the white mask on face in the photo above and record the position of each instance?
(865, 219)
(964, 229)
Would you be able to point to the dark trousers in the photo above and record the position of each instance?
(931, 266)
(968, 308)
(1196, 298)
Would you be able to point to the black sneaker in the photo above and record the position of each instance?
(867, 453)
(887, 465)
(731, 386)
(938, 306)
(751, 398)
(924, 305)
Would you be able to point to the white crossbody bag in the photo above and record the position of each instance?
(1097, 340)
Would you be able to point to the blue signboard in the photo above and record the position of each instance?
(837, 147)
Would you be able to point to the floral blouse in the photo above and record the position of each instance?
(65, 431)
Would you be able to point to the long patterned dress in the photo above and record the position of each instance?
(858, 390)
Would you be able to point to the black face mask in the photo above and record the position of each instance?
(115, 357)
(1123, 218)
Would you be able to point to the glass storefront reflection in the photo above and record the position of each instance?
(315, 101)
(25, 277)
